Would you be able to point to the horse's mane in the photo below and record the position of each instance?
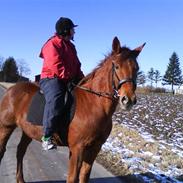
(92, 74)
(125, 52)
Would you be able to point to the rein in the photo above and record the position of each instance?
(100, 94)
(115, 95)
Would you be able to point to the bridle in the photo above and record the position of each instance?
(115, 95)
(120, 82)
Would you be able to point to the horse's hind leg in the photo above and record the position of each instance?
(5, 132)
(22, 146)
(7, 123)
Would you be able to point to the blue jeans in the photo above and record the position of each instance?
(54, 91)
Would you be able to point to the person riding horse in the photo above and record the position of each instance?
(112, 83)
(61, 65)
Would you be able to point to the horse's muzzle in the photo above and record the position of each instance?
(127, 102)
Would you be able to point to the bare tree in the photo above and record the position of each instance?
(23, 67)
(157, 77)
(141, 78)
(150, 76)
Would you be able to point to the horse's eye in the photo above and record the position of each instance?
(116, 66)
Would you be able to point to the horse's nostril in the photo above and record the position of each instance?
(127, 101)
(124, 100)
(134, 101)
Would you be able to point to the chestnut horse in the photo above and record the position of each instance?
(113, 82)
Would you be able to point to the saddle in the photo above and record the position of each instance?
(36, 110)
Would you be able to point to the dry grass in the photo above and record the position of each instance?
(161, 159)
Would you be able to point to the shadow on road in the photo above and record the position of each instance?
(138, 178)
(92, 180)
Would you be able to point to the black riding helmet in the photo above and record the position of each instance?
(63, 26)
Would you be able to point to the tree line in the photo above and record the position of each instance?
(173, 74)
(12, 70)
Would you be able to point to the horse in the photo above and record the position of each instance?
(111, 83)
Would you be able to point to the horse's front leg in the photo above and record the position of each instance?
(22, 146)
(75, 162)
(85, 171)
(89, 157)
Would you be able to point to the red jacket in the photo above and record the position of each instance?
(60, 60)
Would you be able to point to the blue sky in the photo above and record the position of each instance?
(26, 25)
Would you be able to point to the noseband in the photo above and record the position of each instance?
(115, 94)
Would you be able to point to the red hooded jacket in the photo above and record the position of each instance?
(60, 60)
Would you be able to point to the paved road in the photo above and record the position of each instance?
(44, 167)
(2, 90)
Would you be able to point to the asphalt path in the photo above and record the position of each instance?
(44, 167)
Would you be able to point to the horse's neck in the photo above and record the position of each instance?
(102, 82)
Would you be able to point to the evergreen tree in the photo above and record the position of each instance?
(10, 70)
(173, 74)
(1, 65)
(141, 79)
(1, 62)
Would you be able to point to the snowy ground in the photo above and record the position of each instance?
(147, 142)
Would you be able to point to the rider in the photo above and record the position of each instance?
(60, 65)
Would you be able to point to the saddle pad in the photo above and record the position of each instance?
(36, 109)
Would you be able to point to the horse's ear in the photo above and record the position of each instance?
(116, 47)
(140, 48)
(137, 50)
